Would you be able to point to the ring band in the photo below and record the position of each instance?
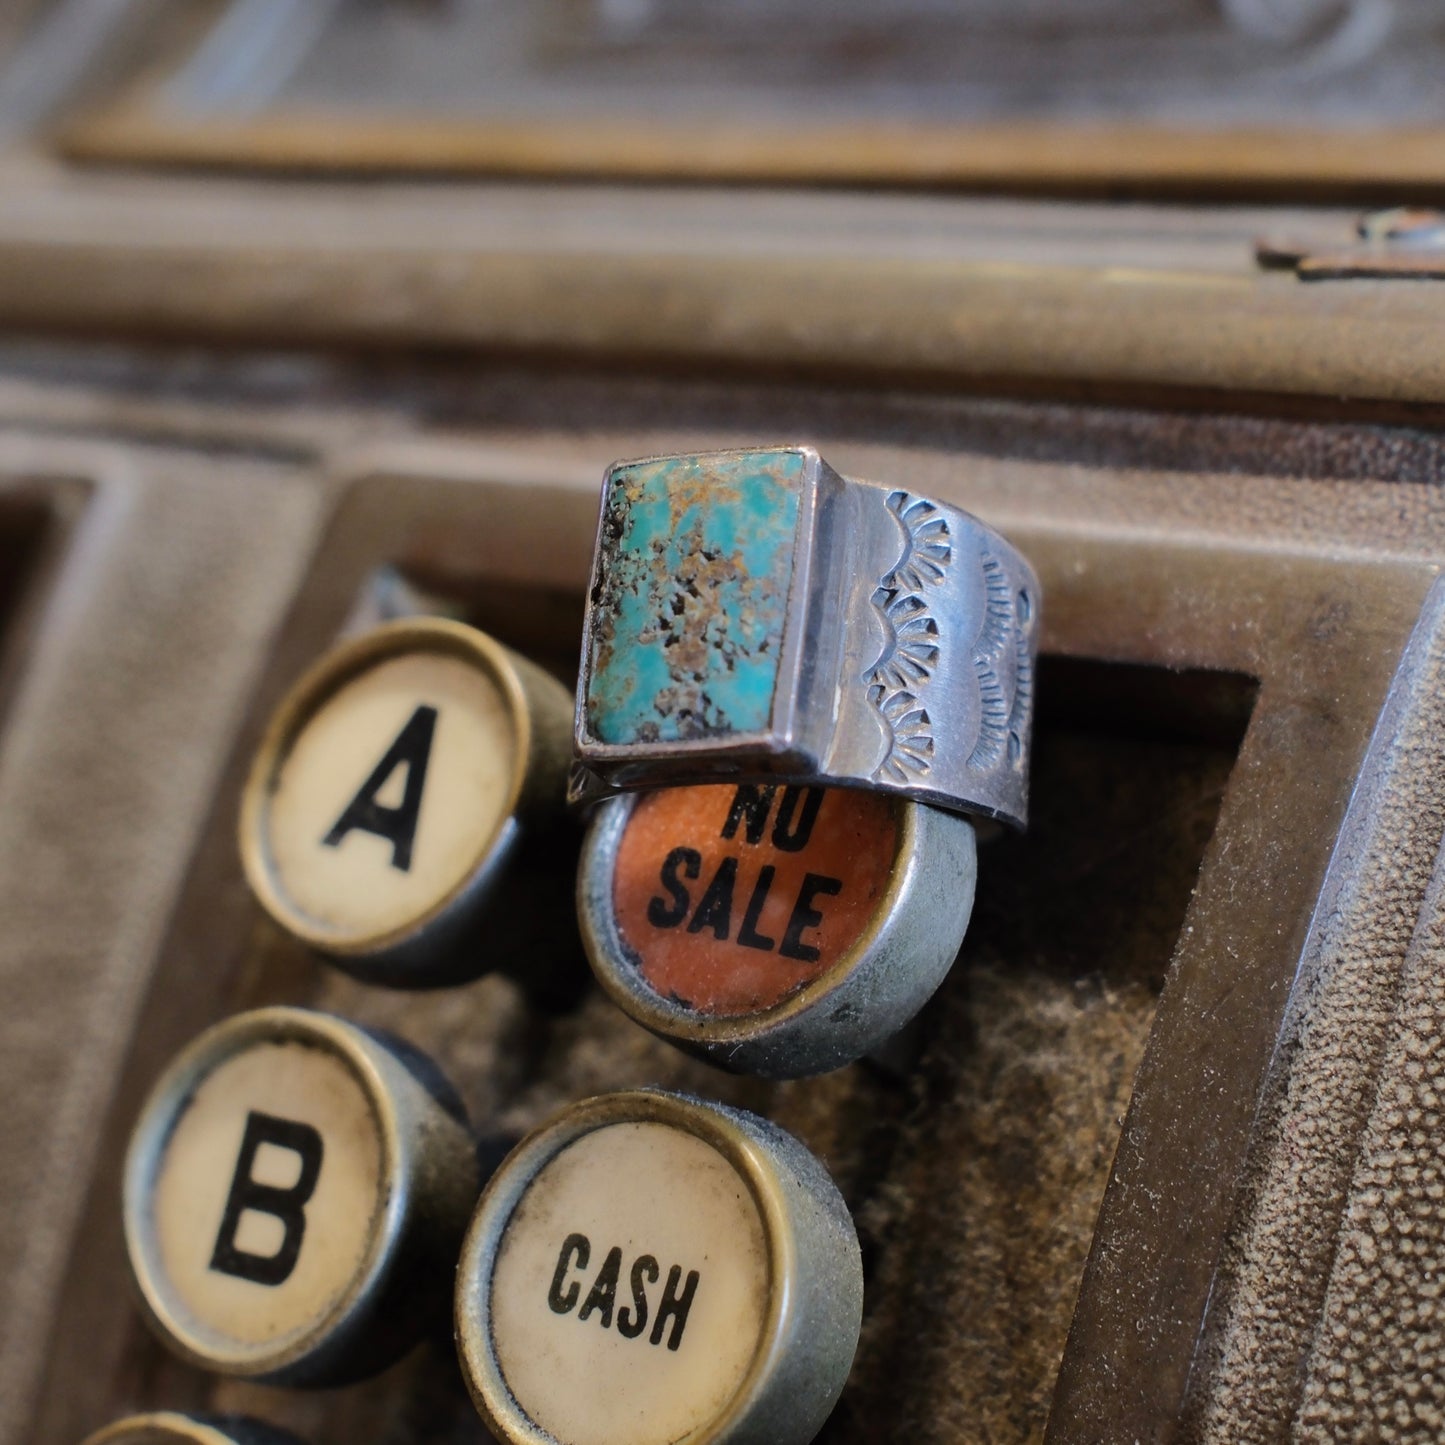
(754, 614)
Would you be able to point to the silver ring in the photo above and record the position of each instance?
(752, 614)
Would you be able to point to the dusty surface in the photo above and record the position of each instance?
(1328, 1322)
(974, 1180)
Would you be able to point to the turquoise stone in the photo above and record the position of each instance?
(691, 596)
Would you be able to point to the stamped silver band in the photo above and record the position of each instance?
(752, 614)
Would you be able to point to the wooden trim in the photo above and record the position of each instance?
(1282, 164)
(973, 322)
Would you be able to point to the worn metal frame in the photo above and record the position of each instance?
(1145, 1299)
(200, 99)
(1024, 298)
(1323, 631)
(1021, 158)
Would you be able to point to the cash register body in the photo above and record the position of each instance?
(243, 413)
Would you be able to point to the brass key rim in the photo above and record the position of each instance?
(745, 1142)
(878, 983)
(312, 691)
(171, 1427)
(161, 1114)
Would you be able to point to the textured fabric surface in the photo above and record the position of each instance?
(1282, 1253)
(1377, 1370)
(175, 574)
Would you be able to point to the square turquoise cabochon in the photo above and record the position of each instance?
(694, 567)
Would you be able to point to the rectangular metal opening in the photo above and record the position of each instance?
(34, 517)
(1162, 814)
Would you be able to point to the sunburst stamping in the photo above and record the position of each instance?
(910, 654)
(996, 636)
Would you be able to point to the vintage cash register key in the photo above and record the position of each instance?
(390, 793)
(648, 1268)
(171, 1427)
(775, 929)
(295, 1192)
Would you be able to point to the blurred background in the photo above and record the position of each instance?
(1010, 94)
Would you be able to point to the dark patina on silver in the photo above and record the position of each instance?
(752, 613)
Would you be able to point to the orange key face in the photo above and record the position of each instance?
(732, 898)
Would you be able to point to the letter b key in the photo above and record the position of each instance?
(282, 1167)
(286, 1205)
(697, 1253)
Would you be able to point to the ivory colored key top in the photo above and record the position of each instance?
(170, 1427)
(649, 1268)
(295, 1192)
(393, 786)
(774, 930)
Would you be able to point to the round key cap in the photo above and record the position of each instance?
(648, 1268)
(393, 786)
(775, 930)
(170, 1427)
(294, 1194)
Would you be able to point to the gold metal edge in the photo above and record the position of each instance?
(1014, 156)
(715, 1125)
(344, 1041)
(313, 689)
